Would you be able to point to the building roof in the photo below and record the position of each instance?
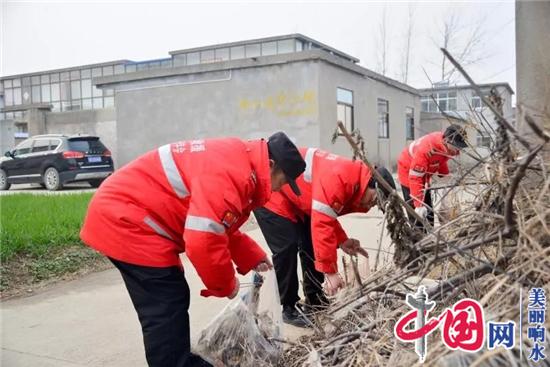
(87, 66)
(454, 87)
(298, 36)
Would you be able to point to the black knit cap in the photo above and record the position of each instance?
(386, 175)
(456, 136)
(287, 157)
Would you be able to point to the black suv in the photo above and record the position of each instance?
(53, 160)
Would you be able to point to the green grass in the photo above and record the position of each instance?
(33, 224)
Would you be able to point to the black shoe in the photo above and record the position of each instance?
(293, 317)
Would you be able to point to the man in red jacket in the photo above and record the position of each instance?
(423, 158)
(192, 197)
(307, 225)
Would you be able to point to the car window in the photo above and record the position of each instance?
(24, 147)
(93, 146)
(54, 144)
(41, 145)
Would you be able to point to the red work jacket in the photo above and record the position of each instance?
(331, 186)
(187, 196)
(419, 161)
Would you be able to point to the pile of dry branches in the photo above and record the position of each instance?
(493, 246)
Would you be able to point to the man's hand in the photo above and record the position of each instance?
(422, 211)
(235, 290)
(264, 265)
(351, 246)
(333, 282)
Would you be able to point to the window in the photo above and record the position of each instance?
(54, 78)
(8, 83)
(75, 89)
(45, 79)
(344, 107)
(237, 52)
(46, 93)
(97, 103)
(107, 70)
(36, 94)
(8, 97)
(86, 73)
(252, 50)
(166, 64)
(269, 48)
(119, 69)
(131, 68)
(476, 102)
(65, 76)
(207, 56)
(65, 91)
(75, 74)
(193, 58)
(285, 46)
(109, 102)
(96, 92)
(179, 60)
(41, 145)
(86, 88)
(222, 54)
(445, 100)
(96, 72)
(383, 119)
(24, 147)
(299, 46)
(55, 92)
(54, 144)
(409, 123)
(483, 140)
(16, 96)
(16, 83)
(35, 80)
(87, 104)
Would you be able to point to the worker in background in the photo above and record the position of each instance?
(192, 197)
(423, 158)
(307, 225)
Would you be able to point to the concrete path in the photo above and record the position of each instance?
(72, 188)
(91, 321)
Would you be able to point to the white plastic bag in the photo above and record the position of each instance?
(241, 334)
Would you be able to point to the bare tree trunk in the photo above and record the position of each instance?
(408, 38)
(383, 45)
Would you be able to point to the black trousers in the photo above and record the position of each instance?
(161, 299)
(288, 240)
(427, 200)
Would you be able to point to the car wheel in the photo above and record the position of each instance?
(51, 179)
(4, 184)
(96, 183)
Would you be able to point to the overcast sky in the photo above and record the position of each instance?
(43, 35)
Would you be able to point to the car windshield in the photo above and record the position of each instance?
(93, 146)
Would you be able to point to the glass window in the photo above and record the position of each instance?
(107, 70)
(75, 74)
(97, 103)
(16, 83)
(179, 60)
(46, 93)
(54, 144)
(36, 94)
(54, 78)
(86, 88)
(269, 48)
(344, 95)
(252, 50)
(476, 102)
(96, 92)
(75, 89)
(425, 105)
(130, 68)
(55, 92)
(166, 64)
(142, 66)
(24, 147)
(119, 69)
(27, 80)
(285, 46)
(109, 102)
(65, 76)
(237, 52)
(16, 96)
(87, 104)
(96, 72)
(8, 83)
(56, 106)
(443, 105)
(451, 105)
(41, 145)
(432, 107)
(222, 54)
(26, 91)
(75, 104)
(8, 97)
(65, 91)
(45, 79)
(108, 92)
(207, 56)
(299, 45)
(383, 119)
(66, 106)
(409, 123)
(86, 73)
(193, 58)
(154, 65)
(35, 79)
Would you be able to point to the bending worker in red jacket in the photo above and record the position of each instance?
(423, 158)
(188, 196)
(308, 225)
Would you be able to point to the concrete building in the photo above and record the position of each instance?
(248, 89)
(461, 103)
